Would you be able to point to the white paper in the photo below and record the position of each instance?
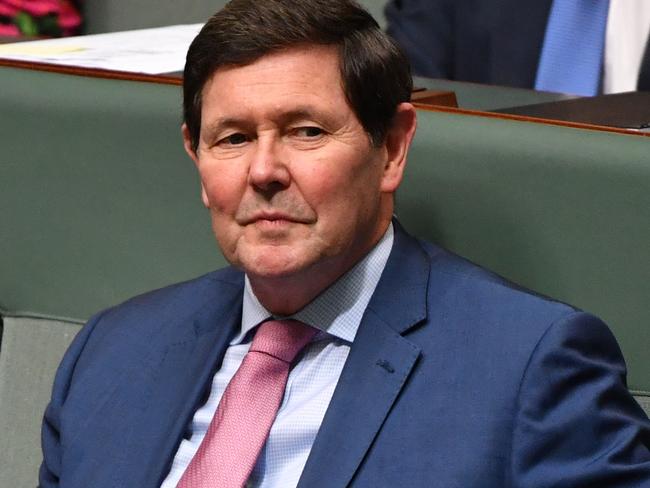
(151, 51)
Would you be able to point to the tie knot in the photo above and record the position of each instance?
(282, 339)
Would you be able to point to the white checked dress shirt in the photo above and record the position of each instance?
(337, 313)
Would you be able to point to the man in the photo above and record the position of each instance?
(516, 42)
(386, 360)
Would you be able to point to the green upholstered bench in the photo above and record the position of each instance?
(99, 202)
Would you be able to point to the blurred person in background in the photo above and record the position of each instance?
(581, 47)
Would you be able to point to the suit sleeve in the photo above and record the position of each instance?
(576, 424)
(50, 471)
(425, 31)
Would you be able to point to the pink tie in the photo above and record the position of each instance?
(248, 408)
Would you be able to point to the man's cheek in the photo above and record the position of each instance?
(223, 199)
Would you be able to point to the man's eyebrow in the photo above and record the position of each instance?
(210, 129)
(285, 117)
(306, 112)
(298, 113)
(222, 122)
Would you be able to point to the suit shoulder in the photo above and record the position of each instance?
(206, 286)
(179, 302)
(490, 295)
(494, 321)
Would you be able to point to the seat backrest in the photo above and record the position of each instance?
(99, 201)
(30, 351)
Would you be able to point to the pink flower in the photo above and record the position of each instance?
(7, 10)
(9, 30)
(38, 8)
(69, 18)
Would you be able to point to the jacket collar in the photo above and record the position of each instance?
(380, 362)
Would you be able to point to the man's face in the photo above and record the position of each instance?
(289, 175)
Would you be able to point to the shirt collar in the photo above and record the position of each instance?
(337, 310)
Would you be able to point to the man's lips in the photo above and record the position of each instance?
(272, 217)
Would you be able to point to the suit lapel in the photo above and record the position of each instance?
(377, 368)
(182, 372)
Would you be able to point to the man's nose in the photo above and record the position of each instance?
(268, 170)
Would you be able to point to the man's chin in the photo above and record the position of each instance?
(273, 262)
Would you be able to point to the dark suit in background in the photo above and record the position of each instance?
(496, 42)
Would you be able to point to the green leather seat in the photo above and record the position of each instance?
(31, 350)
(98, 202)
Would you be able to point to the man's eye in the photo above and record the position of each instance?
(234, 139)
(309, 132)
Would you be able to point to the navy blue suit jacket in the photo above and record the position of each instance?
(456, 379)
(498, 42)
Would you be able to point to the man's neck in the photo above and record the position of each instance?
(285, 295)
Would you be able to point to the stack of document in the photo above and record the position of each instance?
(150, 51)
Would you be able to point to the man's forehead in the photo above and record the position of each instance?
(287, 84)
(293, 58)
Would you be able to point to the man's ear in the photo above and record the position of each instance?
(187, 144)
(398, 139)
